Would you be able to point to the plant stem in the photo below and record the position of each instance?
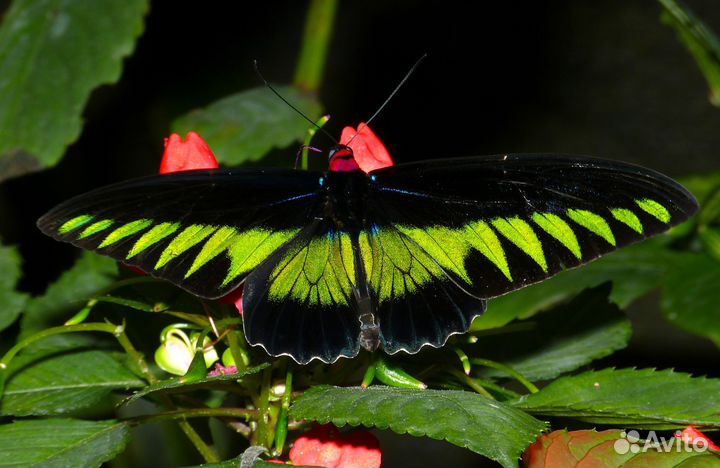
(207, 452)
(129, 303)
(308, 138)
(239, 354)
(472, 383)
(504, 392)
(48, 332)
(136, 357)
(262, 435)
(508, 370)
(126, 282)
(318, 30)
(281, 427)
(464, 360)
(188, 317)
(244, 413)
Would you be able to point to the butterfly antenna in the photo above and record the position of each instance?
(397, 88)
(269, 86)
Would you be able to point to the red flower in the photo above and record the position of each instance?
(193, 153)
(369, 152)
(691, 436)
(234, 298)
(327, 446)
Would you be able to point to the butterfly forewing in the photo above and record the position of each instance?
(203, 230)
(496, 224)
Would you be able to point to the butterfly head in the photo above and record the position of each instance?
(342, 159)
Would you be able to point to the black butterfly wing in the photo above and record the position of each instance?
(439, 237)
(302, 302)
(417, 302)
(495, 224)
(202, 230)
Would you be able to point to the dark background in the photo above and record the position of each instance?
(586, 77)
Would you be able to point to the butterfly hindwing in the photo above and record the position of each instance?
(418, 302)
(302, 301)
(202, 230)
(496, 224)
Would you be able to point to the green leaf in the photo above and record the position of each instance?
(182, 384)
(65, 383)
(691, 297)
(710, 238)
(237, 462)
(565, 338)
(700, 41)
(53, 53)
(634, 271)
(68, 294)
(11, 301)
(61, 442)
(613, 448)
(702, 186)
(640, 398)
(246, 126)
(706, 189)
(467, 419)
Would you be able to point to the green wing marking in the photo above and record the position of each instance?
(560, 230)
(316, 273)
(400, 258)
(152, 237)
(126, 230)
(523, 236)
(248, 249)
(594, 223)
(482, 238)
(448, 247)
(95, 228)
(629, 218)
(655, 209)
(394, 265)
(217, 243)
(203, 231)
(245, 249)
(189, 237)
(74, 223)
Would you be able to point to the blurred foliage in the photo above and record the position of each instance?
(52, 55)
(700, 41)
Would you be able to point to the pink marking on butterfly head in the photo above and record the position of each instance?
(342, 159)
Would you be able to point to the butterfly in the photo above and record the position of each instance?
(396, 258)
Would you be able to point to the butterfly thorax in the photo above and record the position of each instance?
(345, 201)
